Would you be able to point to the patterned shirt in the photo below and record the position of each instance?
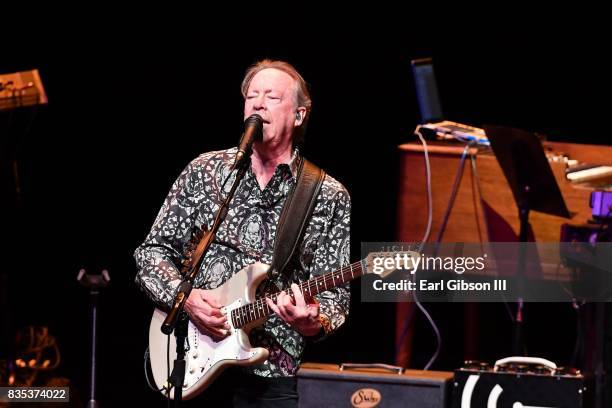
(247, 236)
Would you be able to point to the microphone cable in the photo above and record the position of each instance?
(432, 323)
(426, 235)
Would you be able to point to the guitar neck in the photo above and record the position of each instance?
(246, 314)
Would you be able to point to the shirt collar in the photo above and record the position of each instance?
(293, 166)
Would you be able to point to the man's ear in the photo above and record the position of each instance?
(300, 115)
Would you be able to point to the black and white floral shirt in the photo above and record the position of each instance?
(247, 236)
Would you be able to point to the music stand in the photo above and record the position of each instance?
(534, 187)
(18, 91)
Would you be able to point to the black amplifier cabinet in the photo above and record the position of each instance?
(520, 386)
(330, 385)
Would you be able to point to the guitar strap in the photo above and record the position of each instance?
(295, 215)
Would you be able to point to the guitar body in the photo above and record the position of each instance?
(207, 358)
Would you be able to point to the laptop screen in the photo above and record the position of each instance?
(426, 90)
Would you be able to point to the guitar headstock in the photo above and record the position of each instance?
(384, 263)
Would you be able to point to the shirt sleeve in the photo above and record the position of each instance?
(333, 254)
(159, 257)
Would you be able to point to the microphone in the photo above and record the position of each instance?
(253, 131)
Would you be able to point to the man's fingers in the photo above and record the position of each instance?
(281, 302)
(313, 309)
(298, 296)
(272, 306)
(204, 310)
(212, 311)
(201, 314)
(286, 300)
(294, 314)
(212, 321)
(216, 333)
(212, 331)
(210, 308)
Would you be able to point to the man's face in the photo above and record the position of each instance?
(271, 94)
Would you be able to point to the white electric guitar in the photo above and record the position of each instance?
(207, 358)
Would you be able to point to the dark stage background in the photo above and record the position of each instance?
(129, 108)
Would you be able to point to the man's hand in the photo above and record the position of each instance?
(204, 311)
(303, 316)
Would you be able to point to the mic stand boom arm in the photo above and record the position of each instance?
(185, 287)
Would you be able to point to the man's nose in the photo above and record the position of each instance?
(259, 103)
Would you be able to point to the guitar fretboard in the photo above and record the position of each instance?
(243, 315)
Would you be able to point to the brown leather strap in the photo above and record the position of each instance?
(295, 215)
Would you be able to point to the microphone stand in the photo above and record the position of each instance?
(177, 319)
(95, 283)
